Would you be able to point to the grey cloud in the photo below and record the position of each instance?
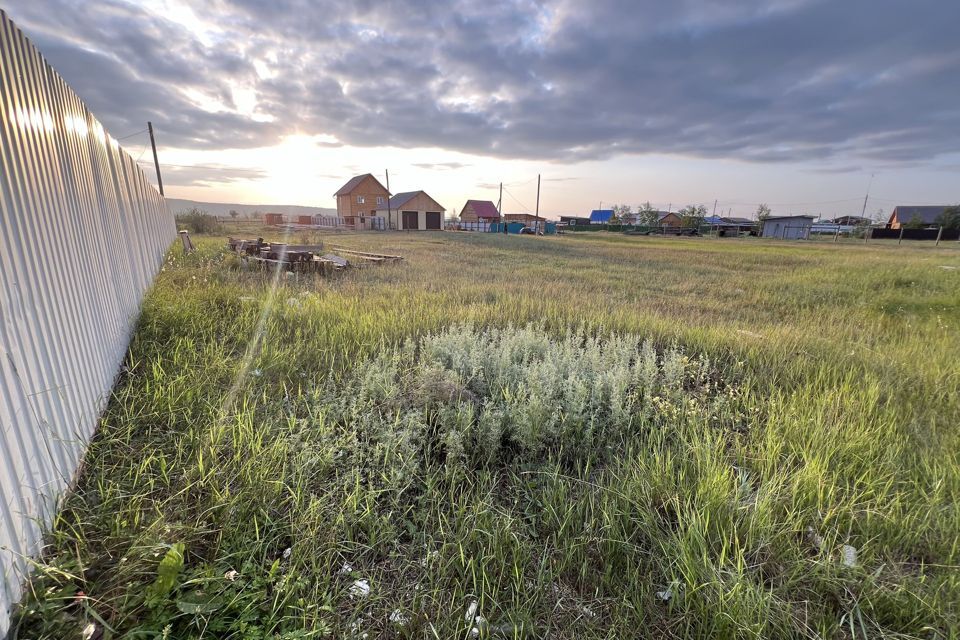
(184, 176)
(836, 170)
(441, 165)
(542, 79)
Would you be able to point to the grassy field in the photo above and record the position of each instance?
(520, 437)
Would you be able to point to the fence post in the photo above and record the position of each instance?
(900, 239)
(836, 236)
(939, 233)
(866, 234)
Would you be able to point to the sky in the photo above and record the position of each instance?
(800, 104)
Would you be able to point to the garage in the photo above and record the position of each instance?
(413, 211)
(410, 220)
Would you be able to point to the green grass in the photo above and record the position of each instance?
(560, 430)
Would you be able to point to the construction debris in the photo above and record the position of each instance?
(185, 239)
(370, 257)
(304, 258)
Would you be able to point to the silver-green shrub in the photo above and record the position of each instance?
(465, 397)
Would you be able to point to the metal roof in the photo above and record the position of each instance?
(483, 208)
(401, 199)
(397, 201)
(928, 214)
(601, 215)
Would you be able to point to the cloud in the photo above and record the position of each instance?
(836, 170)
(441, 165)
(190, 176)
(555, 80)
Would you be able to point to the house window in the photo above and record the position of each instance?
(379, 199)
(359, 199)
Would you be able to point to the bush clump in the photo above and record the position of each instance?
(198, 221)
(469, 398)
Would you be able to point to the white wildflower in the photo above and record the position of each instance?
(849, 555)
(360, 588)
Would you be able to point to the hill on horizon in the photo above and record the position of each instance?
(246, 210)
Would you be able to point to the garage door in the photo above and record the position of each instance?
(410, 220)
(434, 220)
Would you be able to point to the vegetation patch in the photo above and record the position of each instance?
(467, 399)
(637, 451)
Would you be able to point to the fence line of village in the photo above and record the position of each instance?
(68, 189)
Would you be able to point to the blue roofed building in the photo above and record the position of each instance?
(601, 216)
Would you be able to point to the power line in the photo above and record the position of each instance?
(525, 207)
(131, 135)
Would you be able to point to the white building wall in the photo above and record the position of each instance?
(82, 234)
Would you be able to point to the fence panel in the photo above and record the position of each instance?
(457, 225)
(82, 234)
(915, 234)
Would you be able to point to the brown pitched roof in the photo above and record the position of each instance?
(353, 182)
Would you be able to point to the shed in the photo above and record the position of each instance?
(926, 215)
(305, 220)
(668, 219)
(522, 217)
(273, 218)
(479, 211)
(787, 227)
(414, 211)
(574, 220)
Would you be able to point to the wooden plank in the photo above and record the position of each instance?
(384, 256)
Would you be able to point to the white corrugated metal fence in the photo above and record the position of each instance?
(81, 237)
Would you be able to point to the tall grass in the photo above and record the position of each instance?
(561, 437)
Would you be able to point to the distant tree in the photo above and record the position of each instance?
(916, 222)
(234, 214)
(950, 218)
(763, 212)
(621, 211)
(647, 215)
(692, 215)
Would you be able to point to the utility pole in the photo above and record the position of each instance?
(714, 208)
(863, 214)
(156, 162)
(537, 214)
(389, 213)
(499, 210)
